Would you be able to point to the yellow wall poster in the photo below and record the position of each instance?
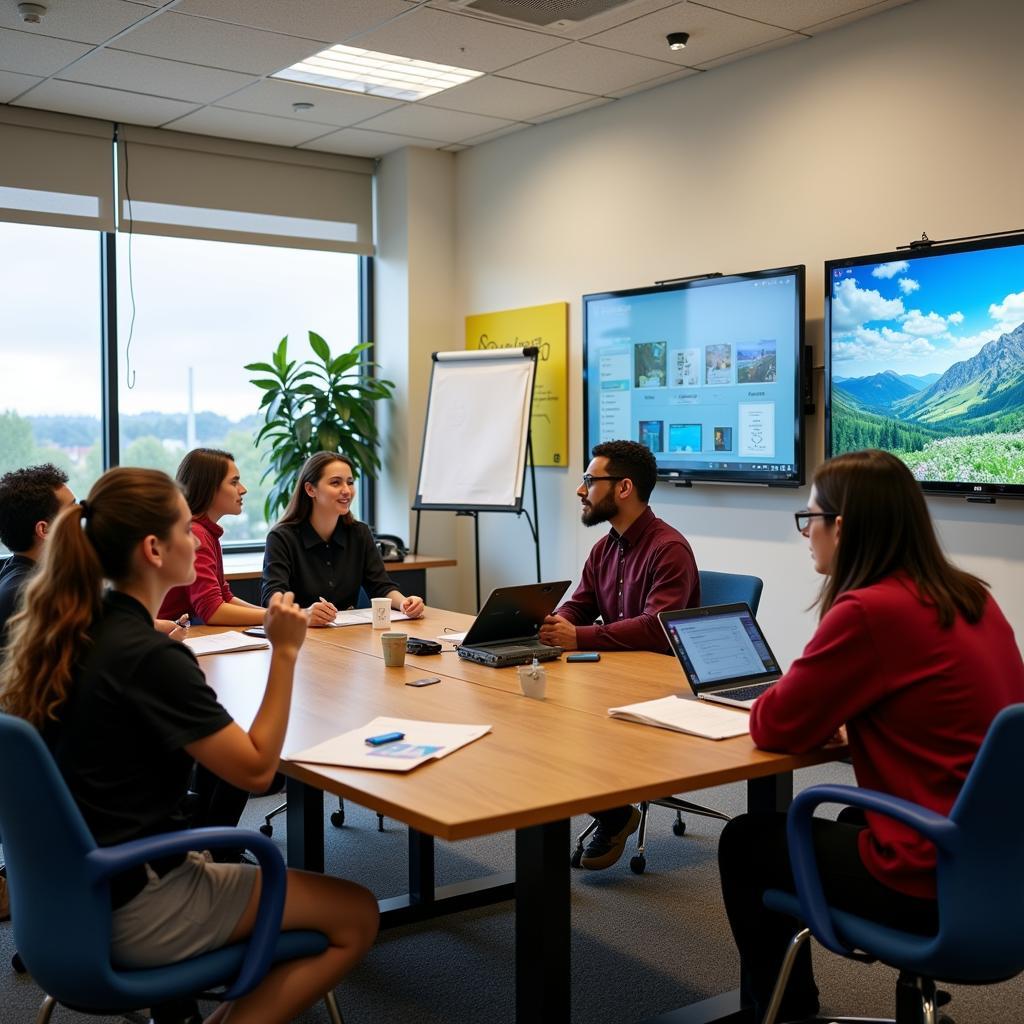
(546, 328)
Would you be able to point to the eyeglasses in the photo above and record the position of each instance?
(803, 519)
(589, 479)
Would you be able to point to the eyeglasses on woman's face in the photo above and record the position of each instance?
(804, 517)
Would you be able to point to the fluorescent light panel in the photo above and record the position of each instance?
(376, 74)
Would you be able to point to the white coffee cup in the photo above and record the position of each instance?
(381, 612)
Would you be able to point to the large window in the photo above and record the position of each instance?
(202, 310)
(50, 397)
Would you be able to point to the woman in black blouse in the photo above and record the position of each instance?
(321, 553)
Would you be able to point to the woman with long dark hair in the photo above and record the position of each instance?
(125, 710)
(320, 552)
(913, 658)
(213, 489)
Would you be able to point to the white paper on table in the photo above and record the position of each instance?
(452, 638)
(223, 643)
(424, 741)
(364, 616)
(695, 717)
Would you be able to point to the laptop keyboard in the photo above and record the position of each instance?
(746, 692)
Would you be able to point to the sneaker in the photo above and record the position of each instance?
(5, 900)
(609, 839)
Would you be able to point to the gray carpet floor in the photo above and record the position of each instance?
(641, 945)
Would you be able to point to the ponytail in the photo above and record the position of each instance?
(88, 542)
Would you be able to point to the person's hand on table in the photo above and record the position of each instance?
(285, 623)
(176, 629)
(412, 606)
(321, 613)
(558, 632)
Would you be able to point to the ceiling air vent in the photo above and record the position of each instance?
(543, 13)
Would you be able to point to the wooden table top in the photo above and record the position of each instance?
(542, 761)
(248, 565)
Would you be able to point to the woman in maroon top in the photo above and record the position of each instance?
(912, 658)
(213, 489)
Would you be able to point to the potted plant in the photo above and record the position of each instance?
(322, 404)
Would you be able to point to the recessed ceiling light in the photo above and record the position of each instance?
(301, 107)
(376, 74)
(678, 40)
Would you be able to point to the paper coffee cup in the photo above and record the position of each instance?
(381, 612)
(393, 646)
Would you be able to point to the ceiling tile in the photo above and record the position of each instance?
(588, 69)
(326, 20)
(864, 12)
(359, 142)
(655, 82)
(330, 106)
(29, 54)
(505, 97)
(577, 108)
(155, 76)
(216, 45)
(235, 124)
(712, 34)
(433, 123)
(12, 85)
(106, 104)
(85, 21)
(792, 14)
(456, 39)
(729, 58)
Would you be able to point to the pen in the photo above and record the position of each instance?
(183, 621)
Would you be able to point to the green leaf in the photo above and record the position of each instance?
(266, 384)
(329, 437)
(260, 368)
(280, 356)
(319, 346)
(304, 428)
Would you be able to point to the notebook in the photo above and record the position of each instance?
(684, 715)
(506, 630)
(724, 655)
(223, 643)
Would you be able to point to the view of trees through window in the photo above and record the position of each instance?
(191, 314)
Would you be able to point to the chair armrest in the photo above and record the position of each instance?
(111, 860)
(813, 907)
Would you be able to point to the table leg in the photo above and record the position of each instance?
(305, 826)
(421, 867)
(543, 927)
(771, 793)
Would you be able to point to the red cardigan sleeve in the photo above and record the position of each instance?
(834, 679)
(210, 590)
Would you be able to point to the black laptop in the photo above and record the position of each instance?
(724, 654)
(506, 630)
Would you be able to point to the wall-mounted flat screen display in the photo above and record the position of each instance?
(706, 373)
(925, 359)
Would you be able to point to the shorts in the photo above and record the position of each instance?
(190, 910)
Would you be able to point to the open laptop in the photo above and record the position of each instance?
(505, 631)
(724, 654)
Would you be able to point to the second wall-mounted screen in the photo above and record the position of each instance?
(705, 373)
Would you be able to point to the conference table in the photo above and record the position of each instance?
(542, 763)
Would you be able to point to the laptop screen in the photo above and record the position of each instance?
(719, 646)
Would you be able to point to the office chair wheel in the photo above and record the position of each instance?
(577, 857)
(338, 818)
(267, 830)
(679, 827)
(18, 964)
(638, 864)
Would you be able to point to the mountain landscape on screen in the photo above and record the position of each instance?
(943, 390)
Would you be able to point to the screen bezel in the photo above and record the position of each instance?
(957, 488)
(686, 476)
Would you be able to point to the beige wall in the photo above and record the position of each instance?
(848, 143)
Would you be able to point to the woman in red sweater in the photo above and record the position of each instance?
(213, 489)
(914, 658)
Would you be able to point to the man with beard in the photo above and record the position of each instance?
(643, 566)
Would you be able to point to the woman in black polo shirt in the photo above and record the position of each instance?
(321, 553)
(125, 710)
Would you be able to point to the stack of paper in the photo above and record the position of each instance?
(423, 741)
(690, 716)
(363, 617)
(223, 643)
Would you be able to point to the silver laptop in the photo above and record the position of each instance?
(505, 631)
(723, 652)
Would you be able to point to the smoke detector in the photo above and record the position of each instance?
(32, 14)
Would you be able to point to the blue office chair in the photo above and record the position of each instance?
(980, 850)
(60, 897)
(338, 816)
(715, 588)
